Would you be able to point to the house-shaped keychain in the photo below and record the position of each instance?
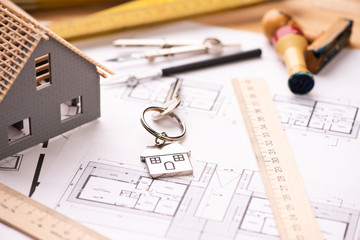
(166, 160)
(47, 86)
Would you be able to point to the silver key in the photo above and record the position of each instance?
(172, 100)
(167, 160)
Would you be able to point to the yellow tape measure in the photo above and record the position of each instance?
(140, 12)
(291, 208)
(38, 221)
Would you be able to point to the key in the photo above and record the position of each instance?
(172, 100)
(167, 160)
(211, 46)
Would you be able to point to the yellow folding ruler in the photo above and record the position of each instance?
(140, 12)
(290, 205)
(38, 221)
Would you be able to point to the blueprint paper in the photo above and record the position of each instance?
(24, 171)
(98, 178)
(18, 171)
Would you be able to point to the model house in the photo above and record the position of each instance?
(166, 160)
(47, 86)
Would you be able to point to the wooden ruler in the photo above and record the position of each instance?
(140, 12)
(38, 221)
(291, 208)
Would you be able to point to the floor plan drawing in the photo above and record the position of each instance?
(217, 203)
(193, 94)
(333, 118)
(98, 185)
(94, 174)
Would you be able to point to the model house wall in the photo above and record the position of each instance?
(71, 77)
(47, 85)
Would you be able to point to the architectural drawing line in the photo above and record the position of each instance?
(311, 114)
(224, 206)
(45, 144)
(353, 123)
(35, 181)
(208, 183)
(319, 116)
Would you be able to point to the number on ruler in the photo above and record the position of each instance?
(39, 221)
(287, 196)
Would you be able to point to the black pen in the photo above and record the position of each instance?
(133, 80)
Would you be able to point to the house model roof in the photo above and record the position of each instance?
(19, 35)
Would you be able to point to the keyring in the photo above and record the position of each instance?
(162, 136)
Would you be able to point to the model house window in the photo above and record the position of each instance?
(155, 160)
(71, 108)
(19, 130)
(11, 163)
(178, 158)
(42, 69)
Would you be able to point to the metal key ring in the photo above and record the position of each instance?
(162, 136)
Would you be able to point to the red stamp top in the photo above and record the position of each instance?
(285, 30)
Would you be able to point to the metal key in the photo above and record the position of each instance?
(172, 100)
(211, 46)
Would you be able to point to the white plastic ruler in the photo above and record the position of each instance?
(38, 221)
(288, 199)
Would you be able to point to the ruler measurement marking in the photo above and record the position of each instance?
(141, 12)
(287, 196)
(38, 221)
